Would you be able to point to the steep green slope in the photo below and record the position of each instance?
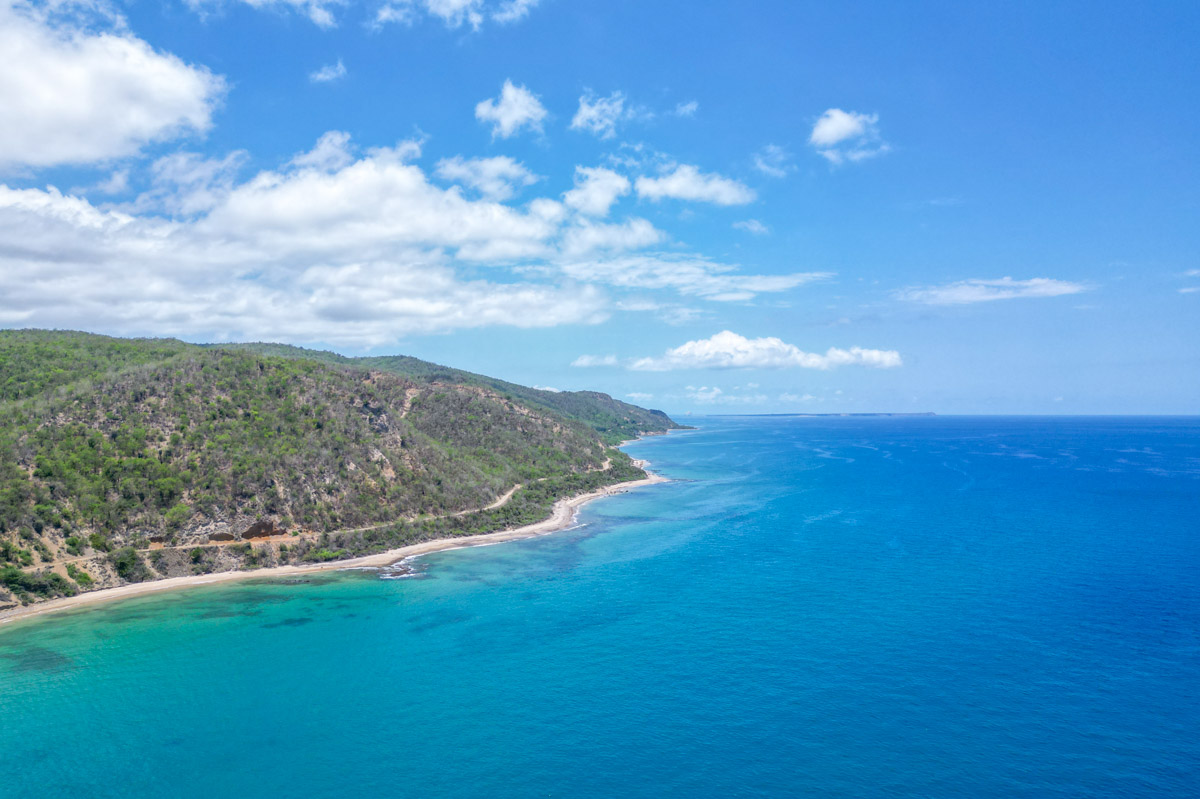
(613, 419)
(124, 459)
(34, 362)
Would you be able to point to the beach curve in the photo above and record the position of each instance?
(562, 515)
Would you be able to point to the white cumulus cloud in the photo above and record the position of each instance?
(586, 237)
(842, 136)
(596, 189)
(977, 290)
(71, 95)
(496, 178)
(332, 151)
(515, 109)
(358, 254)
(687, 182)
(342, 244)
(728, 350)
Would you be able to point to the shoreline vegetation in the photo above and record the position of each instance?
(137, 461)
(562, 516)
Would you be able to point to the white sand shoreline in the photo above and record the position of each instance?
(562, 516)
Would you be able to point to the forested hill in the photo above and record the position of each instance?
(132, 459)
(613, 419)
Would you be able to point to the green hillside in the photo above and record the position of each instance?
(614, 420)
(129, 459)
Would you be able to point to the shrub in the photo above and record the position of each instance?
(80, 576)
(177, 515)
(323, 554)
(45, 584)
(129, 565)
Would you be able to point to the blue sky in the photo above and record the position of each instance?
(708, 208)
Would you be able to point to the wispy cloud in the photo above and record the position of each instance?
(513, 10)
(1190, 289)
(687, 182)
(728, 350)
(328, 73)
(453, 13)
(752, 226)
(713, 395)
(115, 183)
(187, 184)
(601, 115)
(671, 313)
(773, 161)
(496, 178)
(687, 109)
(688, 275)
(978, 290)
(595, 360)
(320, 12)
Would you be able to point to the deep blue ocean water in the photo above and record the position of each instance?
(936, 607)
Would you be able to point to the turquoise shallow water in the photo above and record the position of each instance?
(831, 607)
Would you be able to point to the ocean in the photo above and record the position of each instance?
(862, 606)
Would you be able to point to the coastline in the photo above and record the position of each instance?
(562, 515)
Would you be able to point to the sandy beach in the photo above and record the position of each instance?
(561, 516)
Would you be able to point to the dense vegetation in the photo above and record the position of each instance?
(614, 420)
(111, 447)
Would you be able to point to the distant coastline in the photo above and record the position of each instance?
(562, 516)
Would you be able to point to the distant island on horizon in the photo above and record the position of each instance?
(726, 415)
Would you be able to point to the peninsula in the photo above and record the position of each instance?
(124, 462)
